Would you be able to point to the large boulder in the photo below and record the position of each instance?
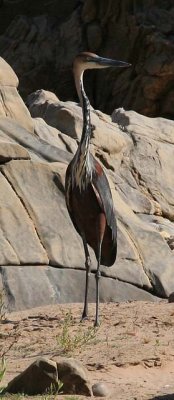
(29, 286)
(42, 257)
(135, 150)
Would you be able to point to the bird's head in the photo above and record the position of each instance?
(87, 60)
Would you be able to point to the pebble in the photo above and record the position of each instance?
(100, 389)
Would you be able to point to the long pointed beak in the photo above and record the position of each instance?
(107, 62)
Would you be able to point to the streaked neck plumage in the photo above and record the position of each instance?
(82, 167)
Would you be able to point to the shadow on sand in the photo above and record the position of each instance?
(163, 397)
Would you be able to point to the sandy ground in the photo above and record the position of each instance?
(132, 351)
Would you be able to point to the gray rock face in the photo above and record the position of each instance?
(135, 150)
(32, 286)
(39, 245)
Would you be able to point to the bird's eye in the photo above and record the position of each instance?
(89, 59)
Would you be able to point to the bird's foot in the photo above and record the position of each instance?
(96, 323)
(84, 316)
(84, 319)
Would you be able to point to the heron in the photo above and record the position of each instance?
(87, 191)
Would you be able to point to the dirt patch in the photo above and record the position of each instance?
(132, 351)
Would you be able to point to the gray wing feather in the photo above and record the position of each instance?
(101, 184)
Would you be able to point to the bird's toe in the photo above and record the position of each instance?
(84, 317)
(96, 324)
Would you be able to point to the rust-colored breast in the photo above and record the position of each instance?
(98, 168)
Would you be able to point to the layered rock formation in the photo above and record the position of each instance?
(41, 255)
(42, 40)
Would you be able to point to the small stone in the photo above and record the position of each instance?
(171, 298)
(100, 389)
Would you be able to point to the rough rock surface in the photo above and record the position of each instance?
(11, 104)
(41, 255)
(136, 151)
(32, 286)
(74, 377)
(43, 375)
(9, 9)
(36, 379)
(42, 40)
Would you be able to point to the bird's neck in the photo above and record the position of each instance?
(82, 158)
(85, 104)
(86, 131)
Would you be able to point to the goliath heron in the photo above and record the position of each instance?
(87, 192)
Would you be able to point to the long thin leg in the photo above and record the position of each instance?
(88, 268)
(97, 277)
(101, 225)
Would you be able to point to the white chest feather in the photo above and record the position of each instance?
(82, 172)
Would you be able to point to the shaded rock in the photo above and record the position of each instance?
(40, 97)
(94, 36)
(170, 242)
(89, 11)
(9, 10)
(61, 285)
(43, 375)
(36, 379)
(138, 32)
(74, 377)
(49, 38)
(171, 298)
(99, 389)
